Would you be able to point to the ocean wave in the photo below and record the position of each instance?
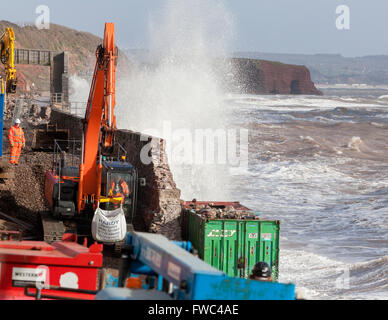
(370, 275)
(320, 277)
(355, 143)
(301, 103)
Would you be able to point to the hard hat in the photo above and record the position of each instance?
(18, 121)
(261, 269)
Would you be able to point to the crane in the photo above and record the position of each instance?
(7, 57)
(75, 192)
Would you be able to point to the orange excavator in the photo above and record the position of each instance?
(102, 177)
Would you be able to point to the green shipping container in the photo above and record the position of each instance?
(235, 246)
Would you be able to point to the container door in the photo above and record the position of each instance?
(230, 248)
(251, 244)
(194, 230)
(269, 246)
(213, 243)
(221, 245)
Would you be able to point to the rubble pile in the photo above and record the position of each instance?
(22, 196)
(212, 212)
(32, 113)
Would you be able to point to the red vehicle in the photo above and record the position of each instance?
(37, 270)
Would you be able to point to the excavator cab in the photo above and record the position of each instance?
(61, 185)
(119, 179)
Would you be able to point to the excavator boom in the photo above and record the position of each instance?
(105, 180)
(7, 57)
(100, 121)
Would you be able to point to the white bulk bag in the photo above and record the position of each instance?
(109, 226)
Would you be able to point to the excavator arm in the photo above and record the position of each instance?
(100, 121)
(7, 57)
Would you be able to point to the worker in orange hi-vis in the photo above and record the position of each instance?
(17, 142)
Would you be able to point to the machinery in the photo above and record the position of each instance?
(37, 270)
(181, 276)
(7, 57)
(75, 189)
(44, 139)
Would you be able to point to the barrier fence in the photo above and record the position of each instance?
(76, 108)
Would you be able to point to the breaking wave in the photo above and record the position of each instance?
(355, 144)
(318, 277)
(182, 92)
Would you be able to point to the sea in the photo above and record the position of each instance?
(319, 164)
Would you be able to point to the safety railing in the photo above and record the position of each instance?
(67, 153)
(56, 98)
(77, 108)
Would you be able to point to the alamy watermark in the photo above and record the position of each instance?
(343, 281)
(197, 147)
(343, 20)
(43, 19)
(43, 277)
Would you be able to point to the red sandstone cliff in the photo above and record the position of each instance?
(268, 77)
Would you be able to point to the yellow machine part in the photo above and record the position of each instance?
(116, 200)
(7, 55)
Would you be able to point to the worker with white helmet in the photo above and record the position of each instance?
(17, 142)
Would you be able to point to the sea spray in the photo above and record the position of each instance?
(79, 89)
(183, 92)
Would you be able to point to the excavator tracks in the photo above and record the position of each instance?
(53, 229)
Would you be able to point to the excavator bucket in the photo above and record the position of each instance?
(44, 139)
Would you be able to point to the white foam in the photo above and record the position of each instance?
(323, 278)
(284, 103)
(309, 271)
(355, 143)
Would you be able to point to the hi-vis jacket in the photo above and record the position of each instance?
(16, 137)
(124, 188)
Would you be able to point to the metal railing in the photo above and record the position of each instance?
(61, 158)
(77, 108)
(56, 98)
(70, 158)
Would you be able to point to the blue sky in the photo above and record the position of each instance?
(281, 26)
